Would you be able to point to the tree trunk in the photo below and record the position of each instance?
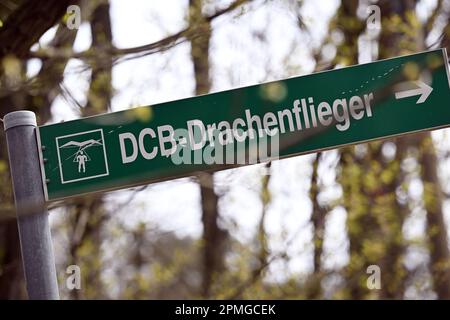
(436, 228)
(213, 236)
(318, 220)
(22, 28)
(89, 214)
(28, 23)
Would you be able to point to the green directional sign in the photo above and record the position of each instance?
(247, 125)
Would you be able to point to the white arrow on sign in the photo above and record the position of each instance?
(424, 90)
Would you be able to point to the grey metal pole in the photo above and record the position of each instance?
(32, 214)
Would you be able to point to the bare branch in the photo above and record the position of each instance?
(158, 46)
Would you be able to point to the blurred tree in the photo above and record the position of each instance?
(370, 194)
(88, 215)
(318, 216)
(214, 237)
(25, 22)
(433, 195)
(161, 265)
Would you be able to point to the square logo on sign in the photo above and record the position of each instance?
(82, 156)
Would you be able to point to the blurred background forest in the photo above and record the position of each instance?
(301, 228)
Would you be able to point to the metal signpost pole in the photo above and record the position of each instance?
(32, 214)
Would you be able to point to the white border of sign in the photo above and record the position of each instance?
(41, 162)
